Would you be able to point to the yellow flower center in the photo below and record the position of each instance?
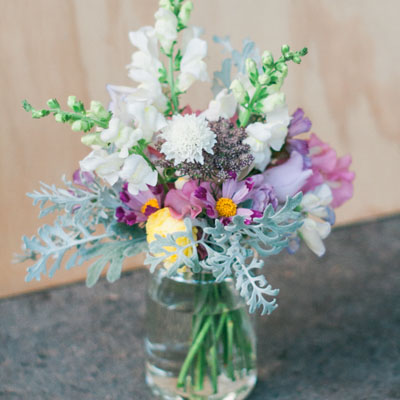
(150, 203)
(225, 207)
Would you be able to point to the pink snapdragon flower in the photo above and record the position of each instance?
(288, 178)
(138, 208)
(183, 202)
(227, 202)
(328, 168)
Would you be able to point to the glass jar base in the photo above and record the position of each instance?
(165, 387)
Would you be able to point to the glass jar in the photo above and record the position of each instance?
(200, 341)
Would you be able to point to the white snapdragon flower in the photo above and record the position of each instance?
(138, 174)
(313, 230)
(124, 137)
(271, 135)
(224, 105)
(192, 65)
(147, 119)
(166, 28)
(107, 166)
(316, 202)
(144, 69)
(186, 137)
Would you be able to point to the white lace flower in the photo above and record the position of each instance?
(107, 166)
(166, 28)
(186, 136)
(138, 174)
(224, 106)
(262, 137)
(192, 65)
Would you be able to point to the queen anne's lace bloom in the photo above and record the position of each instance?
(186, 137)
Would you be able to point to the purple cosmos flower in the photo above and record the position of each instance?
(137, 208)
(229, 201)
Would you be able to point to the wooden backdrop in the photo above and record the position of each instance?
(348, 85)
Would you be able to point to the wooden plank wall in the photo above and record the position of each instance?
(348, 85)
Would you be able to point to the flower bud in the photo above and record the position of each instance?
(267, 58)
(184, 13)
(296, 59)
(97, 109)
(79, 125)
(264, 79)
(285, 49)
(238, 90)
(59, 117)
(251, 66)
(53, 103)
(91, 139)
(166, 4)
(71, 101)
(282, 67)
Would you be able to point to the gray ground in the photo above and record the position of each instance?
(336, 334)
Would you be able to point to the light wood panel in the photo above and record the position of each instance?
(348, 85)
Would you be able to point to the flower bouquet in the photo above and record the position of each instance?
(208, 194)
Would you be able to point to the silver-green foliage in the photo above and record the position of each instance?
(83, 210)
(233, 250)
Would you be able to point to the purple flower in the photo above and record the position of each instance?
(231, 200)
(82, 178)
(138, 208)
(288, 178)
(298, 124)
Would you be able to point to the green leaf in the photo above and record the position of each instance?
(95, 271)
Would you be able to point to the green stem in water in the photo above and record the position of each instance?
(229, 327)
(193, 351)
(199, 371)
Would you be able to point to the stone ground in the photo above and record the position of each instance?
(336, 334)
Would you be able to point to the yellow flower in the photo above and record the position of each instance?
(163, 223)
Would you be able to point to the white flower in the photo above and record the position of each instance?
(238, 90)
(192, 65)
(317, 201)
(147, 119)
(223, 106)
(118, 102)
(315, 204)
(186, 136)
(262, 137)
(313, 232)
(124, 137)
(274, 101)
(138, 174)
(106, 166)
(166, 28)
(144, 69)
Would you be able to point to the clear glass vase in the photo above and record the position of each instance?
(200, 339)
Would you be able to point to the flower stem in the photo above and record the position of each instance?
(193, 351)
(229, 326)
(171, 81)
(249, 109)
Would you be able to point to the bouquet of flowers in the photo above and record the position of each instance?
(208, 193)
